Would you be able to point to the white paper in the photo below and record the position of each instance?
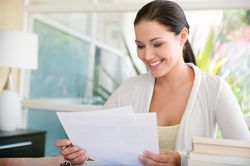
(116, 136)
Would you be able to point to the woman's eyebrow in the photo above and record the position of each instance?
(155, 39)
(138, 42)
(149, 40)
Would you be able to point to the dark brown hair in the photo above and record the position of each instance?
(171, 15)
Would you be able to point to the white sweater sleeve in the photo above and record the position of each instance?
(228, 115)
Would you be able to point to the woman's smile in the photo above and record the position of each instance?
(155, 65)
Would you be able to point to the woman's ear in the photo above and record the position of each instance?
(183, 35)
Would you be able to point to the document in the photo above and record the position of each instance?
(115, 136)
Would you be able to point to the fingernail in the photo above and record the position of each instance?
(140, 157)
(69, 145)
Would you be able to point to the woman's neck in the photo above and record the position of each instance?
(181, 74)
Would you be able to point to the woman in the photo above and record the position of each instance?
(187, 101)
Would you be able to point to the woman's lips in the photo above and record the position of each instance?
(155, 64)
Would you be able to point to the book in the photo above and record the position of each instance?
(221, 146)
(219, 159)
(206, 163)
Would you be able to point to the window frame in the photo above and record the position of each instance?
(134, 6)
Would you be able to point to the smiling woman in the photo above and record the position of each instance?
(188, 102)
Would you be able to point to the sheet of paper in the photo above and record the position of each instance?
(114, 136)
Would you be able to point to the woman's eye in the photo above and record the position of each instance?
(157, 44)
(140, 46)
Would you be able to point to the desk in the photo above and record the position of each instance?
(22, 143)
(43, 161)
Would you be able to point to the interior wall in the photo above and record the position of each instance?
(11, 17)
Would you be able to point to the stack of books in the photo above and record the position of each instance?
(219, 152)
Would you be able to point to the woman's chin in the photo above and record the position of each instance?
(157, 73)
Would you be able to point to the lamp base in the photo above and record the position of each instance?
(10, 110)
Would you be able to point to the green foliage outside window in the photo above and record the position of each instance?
(231, 57)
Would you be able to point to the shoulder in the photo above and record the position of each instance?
(132, 91)
(210, 87)
(208, 81)
(214, 82)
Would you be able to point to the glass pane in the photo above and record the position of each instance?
(110, 71)
(108, 29)
(73, 23)
(63, 62)
(79, 52)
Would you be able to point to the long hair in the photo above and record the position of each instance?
(171, 15)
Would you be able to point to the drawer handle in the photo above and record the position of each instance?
(15, 145)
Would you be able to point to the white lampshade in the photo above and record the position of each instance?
(17, 50)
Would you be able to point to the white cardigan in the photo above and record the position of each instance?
(211, 103)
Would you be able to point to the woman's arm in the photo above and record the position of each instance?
(228, 115)
(43, 161)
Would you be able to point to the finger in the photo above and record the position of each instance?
(173, 156)
(69, 150)
(162, 157)
(150, 162)
(80, 159)
(168, 152)
(147, 161)
(63, 142)
(150, 155)
(76, 154)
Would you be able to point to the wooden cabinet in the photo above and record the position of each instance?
(22, 143)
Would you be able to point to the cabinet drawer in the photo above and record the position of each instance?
(27, 143)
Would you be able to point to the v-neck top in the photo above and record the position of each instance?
(167, 137)
(211, 102)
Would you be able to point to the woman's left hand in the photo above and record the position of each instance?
(170, 158)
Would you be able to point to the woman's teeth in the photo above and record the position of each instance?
(155, 63)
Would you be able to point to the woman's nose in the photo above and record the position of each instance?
(148, 54)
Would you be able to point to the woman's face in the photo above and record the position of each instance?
(157, 47)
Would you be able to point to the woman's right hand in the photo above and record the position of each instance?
(71, 152)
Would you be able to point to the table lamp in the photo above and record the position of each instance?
(17, 50)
